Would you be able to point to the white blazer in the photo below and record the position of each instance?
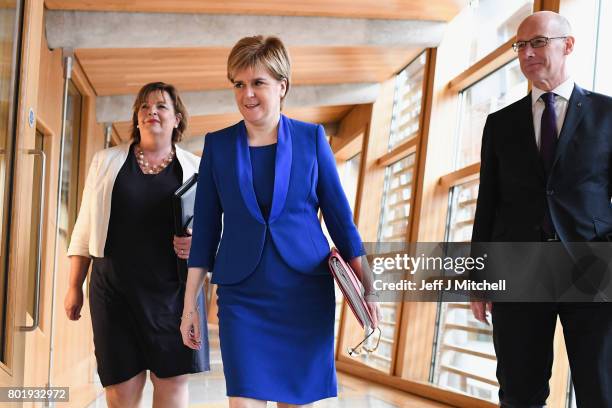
(89, 234)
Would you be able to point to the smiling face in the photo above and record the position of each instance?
(157, 116)
(258, 95)
(544, 66)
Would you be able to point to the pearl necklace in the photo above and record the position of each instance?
(146, 167)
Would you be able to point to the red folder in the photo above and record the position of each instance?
(353, 292)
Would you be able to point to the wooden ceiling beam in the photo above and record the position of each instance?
(440, 10)
(124, 71)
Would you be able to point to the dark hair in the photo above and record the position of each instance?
(179, 108)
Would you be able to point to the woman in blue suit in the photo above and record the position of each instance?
(266, 177)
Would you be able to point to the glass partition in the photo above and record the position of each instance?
(10, 15)
(464, 354)
(406, 119)
(493, 23)
(500, 89)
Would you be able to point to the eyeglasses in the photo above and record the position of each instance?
(361, 347)
(537, 42)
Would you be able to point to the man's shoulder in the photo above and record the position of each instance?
(509, 112)
(599, 98)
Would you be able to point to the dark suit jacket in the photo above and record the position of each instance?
(514, 191)
(305, 180)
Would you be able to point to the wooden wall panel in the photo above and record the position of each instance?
(48, 117)
(51, 88)
(349, 139)
(7, 4)
(73, 358)
(12, 369)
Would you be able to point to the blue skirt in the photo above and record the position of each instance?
(276, 330)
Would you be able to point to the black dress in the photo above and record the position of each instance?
(135, 296)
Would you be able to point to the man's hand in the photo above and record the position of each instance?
(480, 309)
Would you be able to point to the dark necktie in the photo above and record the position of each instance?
(548, 131)
(548, 147)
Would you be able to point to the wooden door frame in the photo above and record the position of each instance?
(11, 372)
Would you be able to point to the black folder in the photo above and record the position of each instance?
(183, 201)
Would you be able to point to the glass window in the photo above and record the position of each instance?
(396, 200)
(406, 117)
(583, 18)
(494, 22)
(603, 80)
(500, 89)
(393, 227)
(464, 355)
(10, 12)
(462, 209)
(381, 358)
(70, 169)
(349, 177)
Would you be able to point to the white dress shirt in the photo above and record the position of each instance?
(562, 96)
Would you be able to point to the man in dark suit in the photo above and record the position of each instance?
(546, 176)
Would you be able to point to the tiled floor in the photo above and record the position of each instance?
(207, 390)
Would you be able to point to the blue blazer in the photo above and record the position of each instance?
(229, 230)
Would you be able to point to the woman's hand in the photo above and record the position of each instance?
(182, 245)
(361, 267)
(73, 302)
(374, 309)
(190, 328)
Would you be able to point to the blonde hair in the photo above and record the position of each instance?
(177, 103)
(259, 51)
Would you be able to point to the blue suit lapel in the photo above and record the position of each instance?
(282, 167)
(576, 107)
(282, 170)
(245, 173)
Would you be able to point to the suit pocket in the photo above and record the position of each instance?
(603, 228)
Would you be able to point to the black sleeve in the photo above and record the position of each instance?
(486, 204)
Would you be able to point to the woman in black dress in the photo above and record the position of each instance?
(125, 225)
